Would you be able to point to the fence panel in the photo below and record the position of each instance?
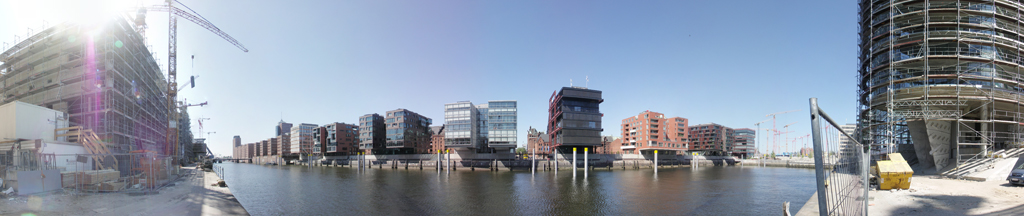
(840, 167)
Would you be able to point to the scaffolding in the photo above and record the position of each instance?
(103, 76)
(941, 69)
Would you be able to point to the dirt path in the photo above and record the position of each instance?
(191, 195)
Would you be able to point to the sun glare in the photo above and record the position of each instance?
(32, 14)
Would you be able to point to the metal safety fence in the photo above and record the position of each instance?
(219, 170)
(840, 167)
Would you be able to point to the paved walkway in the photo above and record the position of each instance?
(192, 195)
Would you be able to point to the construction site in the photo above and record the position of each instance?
(940, 82)
(105, 99)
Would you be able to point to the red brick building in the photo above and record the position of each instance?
(649, 131)
(437, 139)
(336, 139)
(609, 145)
(711, 139)
(537, 140)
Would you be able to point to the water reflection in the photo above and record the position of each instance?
(278, 190)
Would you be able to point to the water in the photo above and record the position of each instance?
(299, 190)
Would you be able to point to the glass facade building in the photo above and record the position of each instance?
(483, 128)
(501, 125)
(371, 134)
(461, 125)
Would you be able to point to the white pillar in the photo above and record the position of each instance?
(438, 164)
(448, 160)
(655, 161)
(533, 161)
(586, 162)
(574, 162)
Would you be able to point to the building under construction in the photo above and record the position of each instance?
(102, 75)
(940, 80)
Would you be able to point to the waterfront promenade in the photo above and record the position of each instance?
(192, 194)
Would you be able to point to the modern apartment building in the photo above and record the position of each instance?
(372, 134)
(848, 129)
(649, 131)
(743, 143)
(336, 139)
(407, 132)
(437, 139)
(574, 118)
(502, 125)
(539, 141)
(711, 139)
(236, 141)
(301, 139)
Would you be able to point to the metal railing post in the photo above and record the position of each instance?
(819, 166)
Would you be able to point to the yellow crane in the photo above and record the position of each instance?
(174, 10)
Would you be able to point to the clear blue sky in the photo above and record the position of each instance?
(727, 62)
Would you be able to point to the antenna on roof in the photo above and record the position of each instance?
(570, 82)
(588, 82)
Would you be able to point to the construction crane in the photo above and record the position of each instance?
(173, 12)
(779, 133)
(758, 131)
(775, 140)
(786, 128)
(200, 120)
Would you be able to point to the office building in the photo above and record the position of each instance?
(743, 143)
(301, 139)
(282, 127)
(462, 130)
(574, 118)
(502, 125)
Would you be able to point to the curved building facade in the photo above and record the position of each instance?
(940, 81)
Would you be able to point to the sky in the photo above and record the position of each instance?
(726, 62)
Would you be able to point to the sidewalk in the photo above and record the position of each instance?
(192, 195)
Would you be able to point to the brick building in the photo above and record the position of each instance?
(537, 140)
(437, 139)
(711, 139)
(649, 131)
(336, 139)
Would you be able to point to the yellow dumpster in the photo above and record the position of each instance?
(895, 173)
